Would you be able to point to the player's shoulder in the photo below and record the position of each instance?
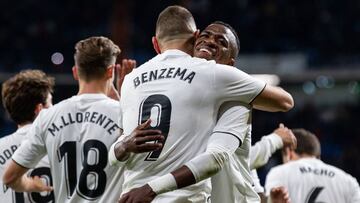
(11, 139)
(279, 169)
(339, 172)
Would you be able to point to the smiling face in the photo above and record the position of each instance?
(218, 43)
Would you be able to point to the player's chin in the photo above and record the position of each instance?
(203, 55)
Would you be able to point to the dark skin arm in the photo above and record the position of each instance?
(183, 177)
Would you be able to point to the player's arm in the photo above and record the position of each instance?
(273, 99)
(261, 152)
(27, 156)
(233, 84)
(220, 148)
(15, 178)
(139, 141)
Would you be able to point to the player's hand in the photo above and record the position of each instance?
(139, 141)
(279, 195)
(35, 184)
(142, 194)
(127, 65)
(113, 93)
(287, 136)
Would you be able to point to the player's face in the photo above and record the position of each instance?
(216, 42)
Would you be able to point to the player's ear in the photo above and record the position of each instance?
(38, 108)
(156, 46)
(110, 71)
(231, 62)
(75, 73)
(196, 34)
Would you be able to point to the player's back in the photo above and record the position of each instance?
(181, 95)
(311, 180)
(77, 134)
(8, 145)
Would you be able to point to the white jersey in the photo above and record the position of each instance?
(182, 96)
(8, 145)
(76, 134)
(234, 182)
(311, 180)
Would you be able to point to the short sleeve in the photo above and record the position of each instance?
(232, 84)
(274, 178)
(33, 148)
(234, 119)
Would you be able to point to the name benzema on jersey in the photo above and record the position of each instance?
(182, 74)
(82, 117)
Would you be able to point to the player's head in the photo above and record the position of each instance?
(95, 59)
(175, 25)
(25, 94)
(218, 42)
(308, 145)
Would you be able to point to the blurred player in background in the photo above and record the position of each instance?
(185, 94)
(76, 133)
(307, 178)
(24, 96)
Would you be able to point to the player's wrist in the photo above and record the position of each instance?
(121, 151)
(165, 183)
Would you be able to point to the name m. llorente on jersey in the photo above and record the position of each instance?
(83, 117)
(171, 72)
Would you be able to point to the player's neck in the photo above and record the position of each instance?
(301, 156)
(93, 87)
(181, 45)
(23, 124)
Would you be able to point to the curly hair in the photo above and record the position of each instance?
(22, 92)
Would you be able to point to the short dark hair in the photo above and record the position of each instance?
(22, 92)
(93, 55)
(175, 22)
(307, 142)
(237, 41)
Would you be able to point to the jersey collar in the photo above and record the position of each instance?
(171, 53)
(91, 96)
(23, 129)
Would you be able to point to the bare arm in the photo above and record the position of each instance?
(15, 177)
(273, 99)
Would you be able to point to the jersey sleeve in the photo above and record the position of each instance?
(233, 119)
(274, 178)
(261, 152)
(232, 84)
(32, 150)
(257, 185)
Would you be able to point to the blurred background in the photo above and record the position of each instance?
(311, 46)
